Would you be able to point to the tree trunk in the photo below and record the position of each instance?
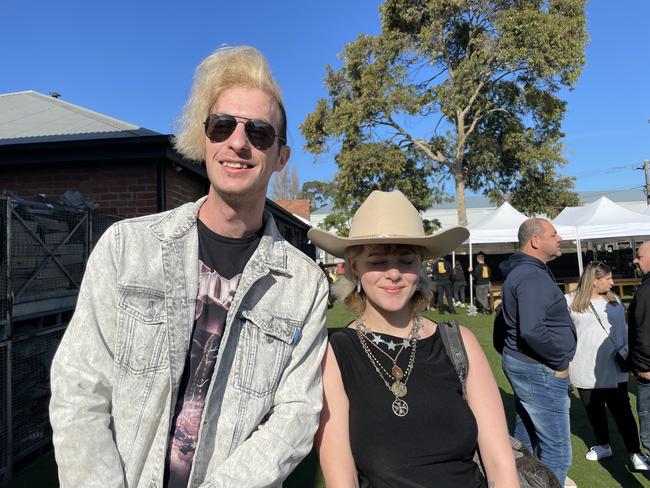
(460, 199)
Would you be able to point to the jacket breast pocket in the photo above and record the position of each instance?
(265, 345)
(142, 341)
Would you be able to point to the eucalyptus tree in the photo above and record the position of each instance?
(468, 90)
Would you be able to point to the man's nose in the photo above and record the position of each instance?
(238, 138)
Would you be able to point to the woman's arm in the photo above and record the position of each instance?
(484, 400)
(333, 437)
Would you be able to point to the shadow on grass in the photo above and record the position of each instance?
(617, 465)
(582, 469)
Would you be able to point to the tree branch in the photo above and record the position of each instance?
(423, 146)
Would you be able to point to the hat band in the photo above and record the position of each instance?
(386, 236)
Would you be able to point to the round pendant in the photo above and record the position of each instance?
(398, 388)
(400, 407)
(397, 372)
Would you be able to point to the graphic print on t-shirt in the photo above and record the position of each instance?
(212, 303)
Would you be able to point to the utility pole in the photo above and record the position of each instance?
(646, 170)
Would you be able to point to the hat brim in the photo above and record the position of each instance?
(435, 245)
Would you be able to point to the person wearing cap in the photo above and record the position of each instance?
(394, 412)
(193, 356)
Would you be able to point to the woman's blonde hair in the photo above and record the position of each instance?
(345, 288)
(223, 69)
(584, 291)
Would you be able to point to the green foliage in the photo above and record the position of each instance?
(377, 166)
(319, 193)
(542, 191)
(466, 89)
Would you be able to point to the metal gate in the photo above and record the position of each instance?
(43, 252)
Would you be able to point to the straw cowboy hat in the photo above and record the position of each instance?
(389, 218)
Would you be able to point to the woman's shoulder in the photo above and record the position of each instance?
(342, 337)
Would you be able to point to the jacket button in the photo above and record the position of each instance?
(269, 339)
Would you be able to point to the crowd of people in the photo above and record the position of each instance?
(450, 283)
(198, 354)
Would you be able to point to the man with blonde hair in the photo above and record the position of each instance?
(540, 341)
(193, 357)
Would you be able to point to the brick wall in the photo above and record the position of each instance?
(296, 207)
(182, 187)
(121, 188)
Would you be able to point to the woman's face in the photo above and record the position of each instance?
(604, 284)
(389, 275)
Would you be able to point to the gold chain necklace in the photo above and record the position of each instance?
(397, 375)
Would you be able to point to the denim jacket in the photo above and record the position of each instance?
(116, 373)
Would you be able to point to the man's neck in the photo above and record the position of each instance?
(535, 254)
(234, 220)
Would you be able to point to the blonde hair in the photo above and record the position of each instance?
(584, 291)
(345, 289)
(223, 69)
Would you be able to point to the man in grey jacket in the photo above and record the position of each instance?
(193, 357)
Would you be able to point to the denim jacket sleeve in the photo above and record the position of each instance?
(271, 453)
(81, 381)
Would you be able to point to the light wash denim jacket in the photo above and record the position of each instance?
(116, 374)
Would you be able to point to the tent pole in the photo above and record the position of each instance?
(471, 277)
(579, 247)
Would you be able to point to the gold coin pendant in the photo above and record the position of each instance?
(399, 389)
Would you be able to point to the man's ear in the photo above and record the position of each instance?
(285, 154)
(534, 242)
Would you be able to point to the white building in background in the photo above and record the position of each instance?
(478, 206)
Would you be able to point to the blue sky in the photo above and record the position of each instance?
(134, 61)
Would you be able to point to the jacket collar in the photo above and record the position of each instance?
(178, 222)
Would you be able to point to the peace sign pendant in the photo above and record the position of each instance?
(400, 407)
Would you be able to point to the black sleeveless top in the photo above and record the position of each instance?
(433, 445)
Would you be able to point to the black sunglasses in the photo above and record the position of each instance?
(219, 127)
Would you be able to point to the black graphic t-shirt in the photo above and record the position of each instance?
(221, 262)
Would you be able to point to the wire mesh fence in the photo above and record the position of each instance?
(4, 296)
(5, 425)
(30, 362)
(43, 252)
(48, 250)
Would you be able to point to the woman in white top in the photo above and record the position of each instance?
(599, 317)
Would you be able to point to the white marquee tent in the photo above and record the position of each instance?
(498, 226)
(501, 225)
(601, 219)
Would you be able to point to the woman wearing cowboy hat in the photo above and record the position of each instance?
(394, 413)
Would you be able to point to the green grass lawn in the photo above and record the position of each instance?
(611, 472)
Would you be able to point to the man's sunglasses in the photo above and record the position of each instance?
(219, 127)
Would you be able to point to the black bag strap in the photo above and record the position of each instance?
(608, 334)
(453, 342)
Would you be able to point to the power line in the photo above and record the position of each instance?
(597, 172)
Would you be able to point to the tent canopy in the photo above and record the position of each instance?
(498, 226)
(502, 226)
(603, 218)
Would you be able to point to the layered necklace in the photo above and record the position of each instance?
(396, 380)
